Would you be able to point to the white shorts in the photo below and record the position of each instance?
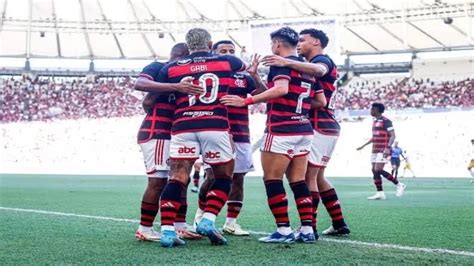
(156, 157)
(216, 147)
(321, 149)
(290, 146)
(243, 158)
(378, 158)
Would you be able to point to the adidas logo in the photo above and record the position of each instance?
(212, 193)
(168, 205)
(305, 200)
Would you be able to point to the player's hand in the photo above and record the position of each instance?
(360, 148)
(233, 100)
(252, 69)
(186, 86)
(387, 152)
(274, 60)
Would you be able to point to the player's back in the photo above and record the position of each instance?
(323, 119)
(241, 85)
(288, 114)
(157, 122)
(202, 112)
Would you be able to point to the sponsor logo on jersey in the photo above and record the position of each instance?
(198, 113)
(184, 62)
(185, 149)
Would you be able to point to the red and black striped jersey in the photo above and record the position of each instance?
(202, 112)
(288, 114)
(157, 122)
(380, 134)
(323, 119)
(240, 85)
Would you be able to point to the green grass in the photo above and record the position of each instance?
(434, 213)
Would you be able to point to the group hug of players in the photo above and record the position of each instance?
(197, 105)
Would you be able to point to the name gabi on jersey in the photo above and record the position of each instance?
(198, 113)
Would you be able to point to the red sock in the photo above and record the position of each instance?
(278, 202)
(148, 213)
(218, 195)
(304, 202)
(170, 202)
(315, 197)
(181, 215)
(233, 208)
(333, 206)
(389, 177)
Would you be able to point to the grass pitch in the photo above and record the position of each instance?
(433, 214)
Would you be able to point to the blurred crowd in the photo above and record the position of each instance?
(25, 99)
(41, 99)
(406, 93)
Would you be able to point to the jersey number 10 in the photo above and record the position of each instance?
(202, 82)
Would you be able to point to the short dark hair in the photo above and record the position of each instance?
(317, 34)
(215, 45)
(286, 34)
(179, 50)
(379, 107)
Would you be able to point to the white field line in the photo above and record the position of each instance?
(343, 241)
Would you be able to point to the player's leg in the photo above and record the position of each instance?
(196, 177)
(311, 180)
(149, 208)
(155, 153)
(304, 203)
(394, 166)
(400, 186)
(274, 166)
(184, 150)
(275, 161)
(208, 181)
(218, 152)
(243, 164)
(180, 223)
(333, 206)
(234, 206)
(377, 167)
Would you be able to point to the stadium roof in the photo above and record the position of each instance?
(139, 29)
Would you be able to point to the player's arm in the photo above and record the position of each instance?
(185, 86)
(319, 99)
(279, 89)
(403, 156)
(388, 150)
(363, 146)
(318, 69)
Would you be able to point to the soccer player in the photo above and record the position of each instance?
(395, 158)
(154, 135)
(241, 84)
(288, 137)
(383, 136)
(326, 128)
(200, 126)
